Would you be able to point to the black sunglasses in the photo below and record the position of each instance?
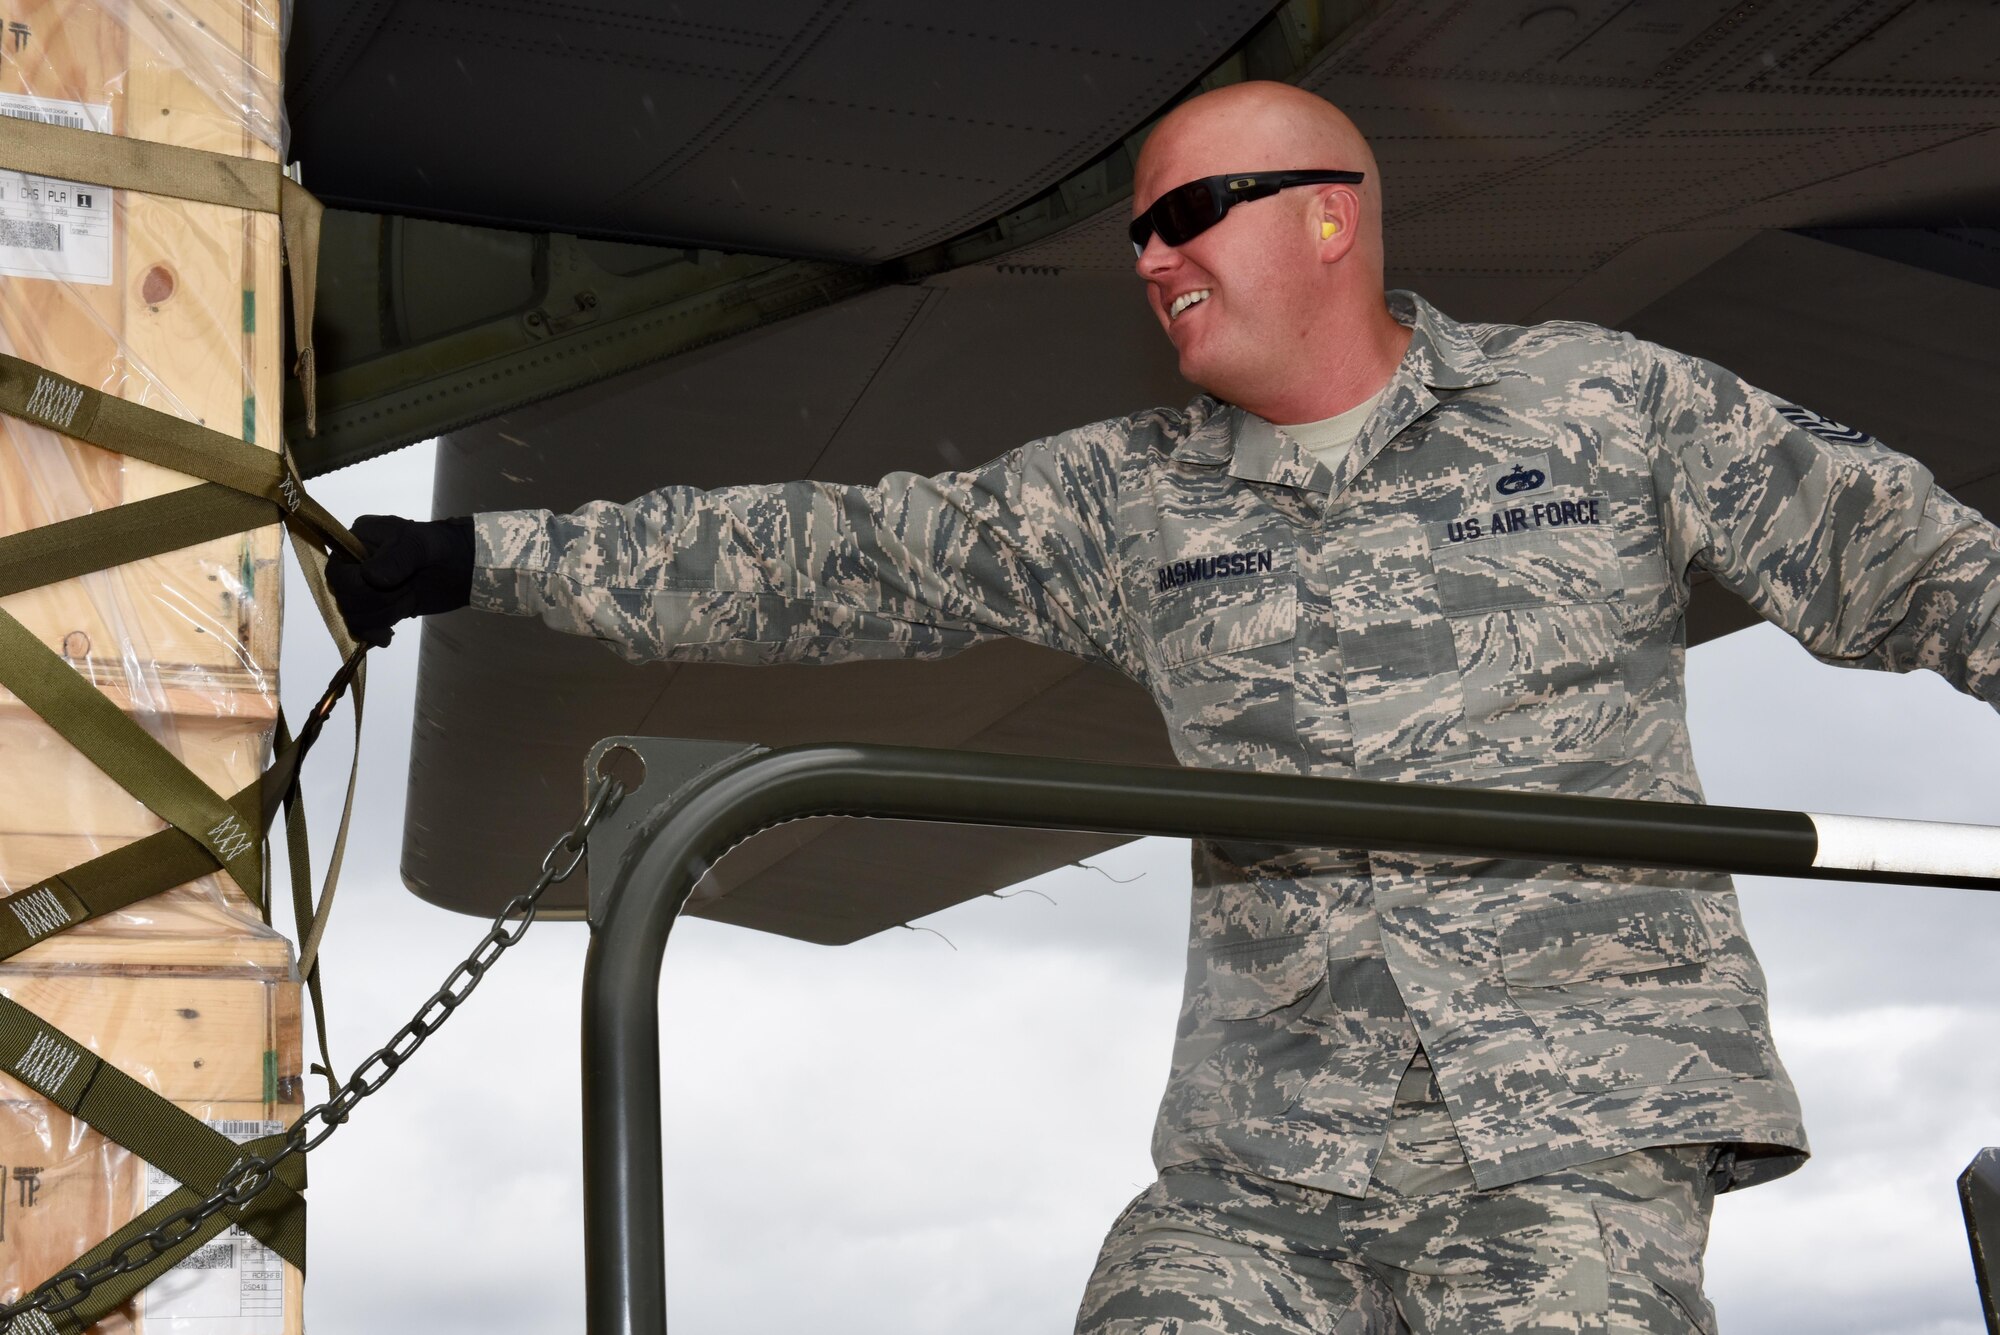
(1186, 211)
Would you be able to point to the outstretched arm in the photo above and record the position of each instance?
(1844, 543)
(816, 572)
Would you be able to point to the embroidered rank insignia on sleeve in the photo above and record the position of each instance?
(1824, 427)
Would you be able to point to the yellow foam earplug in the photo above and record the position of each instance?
(1327, 229)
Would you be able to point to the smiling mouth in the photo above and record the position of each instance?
(1185, 300)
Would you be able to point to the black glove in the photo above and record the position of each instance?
(413, 568)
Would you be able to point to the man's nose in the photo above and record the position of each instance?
(1156, 258)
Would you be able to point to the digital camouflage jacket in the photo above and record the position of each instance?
(1488, 591)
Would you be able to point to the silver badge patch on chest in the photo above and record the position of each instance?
(1517, 477)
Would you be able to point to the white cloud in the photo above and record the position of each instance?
(1884, 1000)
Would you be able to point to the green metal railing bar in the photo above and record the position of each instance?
(698, 799)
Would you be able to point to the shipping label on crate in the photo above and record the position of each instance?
(232, 1285)
(51, 228)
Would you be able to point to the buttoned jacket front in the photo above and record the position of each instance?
(1488, 590)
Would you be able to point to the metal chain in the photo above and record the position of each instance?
(252, 1173)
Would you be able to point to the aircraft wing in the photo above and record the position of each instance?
(601, 248)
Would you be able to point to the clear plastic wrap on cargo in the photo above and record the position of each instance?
(178, 306)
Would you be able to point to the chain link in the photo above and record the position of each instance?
(251, 1174)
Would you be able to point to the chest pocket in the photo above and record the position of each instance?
(1224, 650)
(1225, 618)
(1535, 623)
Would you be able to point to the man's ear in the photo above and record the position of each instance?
(1336, 215)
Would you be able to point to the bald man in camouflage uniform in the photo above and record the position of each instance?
(1409, 1092)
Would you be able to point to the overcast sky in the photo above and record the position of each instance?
(906, 1136)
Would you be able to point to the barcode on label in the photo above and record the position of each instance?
(47, 116)
(240, 1131)
(29, 234)
(215, 1256)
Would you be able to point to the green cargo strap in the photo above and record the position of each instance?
(161, 861)
(129, 532)
(82, 1084)
(282, 779)
(38, 395)
(301, 218)
(310, 933)
(312, 566)
(298, 871)
(35, 1323)
(138, 164)
(115, 1293)
(110, 881)
(301, 878)
(130, 755)
(107, 1297)
(187, 173)
(173, 442)
(29, 392)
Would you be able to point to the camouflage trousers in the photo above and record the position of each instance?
(1612, 1246)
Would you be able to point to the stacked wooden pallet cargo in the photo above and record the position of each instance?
(178, 306)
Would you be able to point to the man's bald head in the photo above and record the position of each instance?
(1218, 133)
(1279, 306)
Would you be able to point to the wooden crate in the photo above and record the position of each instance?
(186, 991)
(190, 321)
(220, 1037)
